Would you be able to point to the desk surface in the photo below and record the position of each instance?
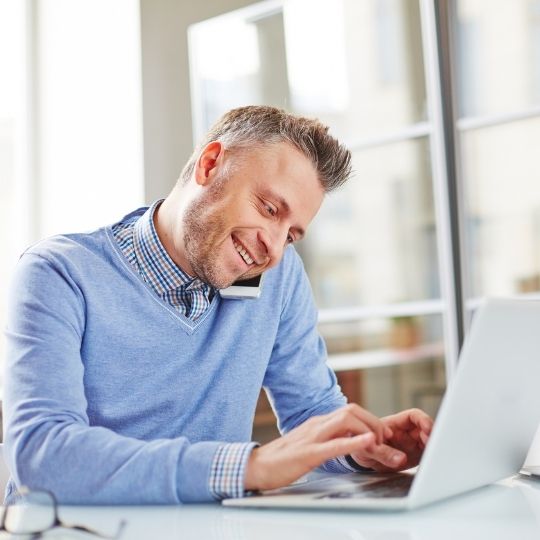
(507, 510)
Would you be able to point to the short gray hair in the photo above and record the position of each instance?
(257, 126)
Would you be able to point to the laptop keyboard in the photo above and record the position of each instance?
(395, 486)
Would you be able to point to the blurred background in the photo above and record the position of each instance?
(101, 102)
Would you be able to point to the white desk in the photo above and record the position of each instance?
(507, 510)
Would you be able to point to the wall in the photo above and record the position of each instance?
(88, 167)
(167, 124)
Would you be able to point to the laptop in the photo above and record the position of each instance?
(484, 428)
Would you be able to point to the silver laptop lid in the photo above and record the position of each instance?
(491, 409)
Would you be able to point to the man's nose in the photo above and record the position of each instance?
(274, 242)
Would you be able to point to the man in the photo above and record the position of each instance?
(130, 380)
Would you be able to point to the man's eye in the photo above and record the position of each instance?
(290, 239)
(270, 209)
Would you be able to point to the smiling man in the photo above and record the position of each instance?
(130, 380)
(238, 229)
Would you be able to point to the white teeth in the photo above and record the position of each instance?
(243, 253)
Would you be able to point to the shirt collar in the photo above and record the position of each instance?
(154, 261)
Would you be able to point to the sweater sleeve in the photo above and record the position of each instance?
(49, 442)
(298, 380)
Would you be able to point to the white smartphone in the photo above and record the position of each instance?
(247, 288)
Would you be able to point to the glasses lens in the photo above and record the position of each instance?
(32, 512)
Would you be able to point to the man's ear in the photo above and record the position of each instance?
(207, 166)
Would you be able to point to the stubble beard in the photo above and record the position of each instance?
(202, 228)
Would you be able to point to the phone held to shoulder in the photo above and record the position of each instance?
(248, 288)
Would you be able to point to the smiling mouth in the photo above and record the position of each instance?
(242, 252)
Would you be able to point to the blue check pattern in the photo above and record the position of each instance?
(228, 470)
(139, 242)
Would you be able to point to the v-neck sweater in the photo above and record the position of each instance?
(114, 397)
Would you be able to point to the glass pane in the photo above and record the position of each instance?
(365, 77)
(373, 241)
(398, 354)
(405, 366)
(11, 125)
(502, 191)
(498, 55)
(105, 134)
(358, 66)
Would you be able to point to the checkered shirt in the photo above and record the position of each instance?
(140, 244)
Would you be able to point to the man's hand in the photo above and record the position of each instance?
(349, 430)
(403, 449)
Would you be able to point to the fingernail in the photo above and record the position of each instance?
(396, 458)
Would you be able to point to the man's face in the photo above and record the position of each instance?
(242, 221)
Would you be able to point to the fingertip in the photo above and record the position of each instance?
(368, 437)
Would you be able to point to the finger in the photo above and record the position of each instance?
(374, 423)
(422, 420)
(342, 446)
(341, 425)
(420, 435)
(414, 434)
(355, 419)
(385, 455)
(424, 438)
(409, 419)
(404, 441)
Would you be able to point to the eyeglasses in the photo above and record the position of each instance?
(36, 512)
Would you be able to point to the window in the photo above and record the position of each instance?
(497, 134)
(70, 121)
(372, 251)
(389, 273)
(14, 230)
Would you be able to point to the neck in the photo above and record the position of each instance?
(169, 228)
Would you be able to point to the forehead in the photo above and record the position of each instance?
(278, 164)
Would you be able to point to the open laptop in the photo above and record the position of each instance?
(484, 427)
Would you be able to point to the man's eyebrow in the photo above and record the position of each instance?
(284, 206)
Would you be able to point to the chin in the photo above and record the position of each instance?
(220, 278)
(218, 281)
(222, 284)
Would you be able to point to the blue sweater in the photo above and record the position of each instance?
(113, 397)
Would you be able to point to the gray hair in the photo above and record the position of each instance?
(258, 126)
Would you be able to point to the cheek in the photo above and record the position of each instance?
(247, 217)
